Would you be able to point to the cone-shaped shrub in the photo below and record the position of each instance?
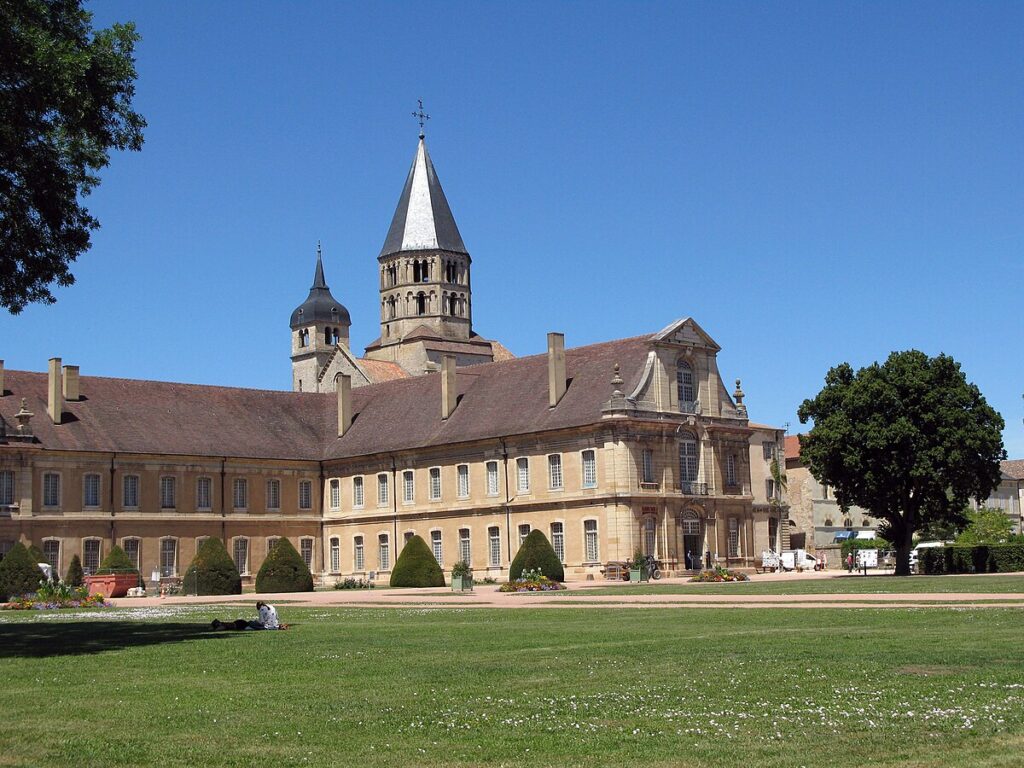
(284, 571)
(212, 571)
(116, 561)
(416, 566)
(37, 554)
(537, 554)
(75, 576)
(19, 575)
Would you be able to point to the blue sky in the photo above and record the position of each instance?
(812, 182)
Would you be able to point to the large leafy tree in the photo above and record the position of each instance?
(910, 440)
(65, 102)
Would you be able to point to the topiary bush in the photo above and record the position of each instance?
(284, 570)
(75, 576)
(416, 566)
(36, 554)
(536, 554)
(19, 575)
(116, 561)
(994, 558)
(212, 571)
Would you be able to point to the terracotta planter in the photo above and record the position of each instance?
(111, 584)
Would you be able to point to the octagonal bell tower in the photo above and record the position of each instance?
(319, 325)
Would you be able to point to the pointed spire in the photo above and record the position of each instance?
(320, 305)
(318, 276)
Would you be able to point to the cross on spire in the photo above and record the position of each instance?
(421, 116)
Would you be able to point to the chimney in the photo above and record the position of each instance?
(1, 378)
(71, 383)
(556, 368)
(448, 388)
(55, 395)
(344, 385)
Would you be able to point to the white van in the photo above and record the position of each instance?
(922, 545)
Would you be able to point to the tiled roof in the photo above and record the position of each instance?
(382, 370)
(792, 446)
(1014, 468)
(501, 352)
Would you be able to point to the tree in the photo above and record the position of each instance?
(416, 566)
(19, 575)
(75, 576)
(910, 441)
(986, 526)
(536, 554)
(284, 570)
(116, 561)
(212, 571)
(65, 102)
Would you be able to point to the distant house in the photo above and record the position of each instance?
(1009, 494)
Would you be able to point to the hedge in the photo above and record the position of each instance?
(536, 554)
(984, 558)
(416, 566)
(852, 545)
(212, 571)
(284, 570)
(19, 575)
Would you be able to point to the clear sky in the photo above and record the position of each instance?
(812, 182)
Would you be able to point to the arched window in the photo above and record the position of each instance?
(391, 308)
(453, 305)
(327, 335)
(416, 271)
(421, 303)
(691, 523)
(688, 458)
(684, 385)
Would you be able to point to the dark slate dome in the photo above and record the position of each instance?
(320, 306)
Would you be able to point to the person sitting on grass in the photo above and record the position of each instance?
(267, 619)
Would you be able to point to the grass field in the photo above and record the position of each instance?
(550, 687)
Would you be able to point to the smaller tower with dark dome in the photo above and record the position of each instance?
(319, 325)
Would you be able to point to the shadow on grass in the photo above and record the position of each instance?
(71, 638)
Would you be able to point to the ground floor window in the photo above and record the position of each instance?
(51, 551)
(306, 550)
(734, 537)
(494, 546)
(590, 540)
(435, 546)
(464, 551)
(90, 556)
(335, 555)
(241, 553)
(650, 534)
(358, 554)
(558, 541)
(168, 557)
(524, 531)
(131, 548)
(384, 552)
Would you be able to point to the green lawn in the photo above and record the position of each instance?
(552, 687)
(874, 584)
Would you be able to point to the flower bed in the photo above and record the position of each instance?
(53, 596)
(719, 575)
(531, 581)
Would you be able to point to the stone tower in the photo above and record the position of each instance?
(319, 325)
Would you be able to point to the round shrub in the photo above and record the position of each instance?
(284, 571)
(537, 554)
(416, 566)
(75, 576)
(19, 575)
(116, 561)
(212, 571)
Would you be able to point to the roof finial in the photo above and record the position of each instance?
(616, 383)
(421, 116)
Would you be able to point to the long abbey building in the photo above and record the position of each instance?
(632, 444)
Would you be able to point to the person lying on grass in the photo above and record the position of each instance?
(267, 620)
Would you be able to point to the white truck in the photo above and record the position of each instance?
(797, 559)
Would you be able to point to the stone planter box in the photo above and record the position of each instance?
(462, 583)
(638, 574)
(111, 584)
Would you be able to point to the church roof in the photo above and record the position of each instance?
(423, 221)
(320, 306)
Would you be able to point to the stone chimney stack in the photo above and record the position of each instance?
(344, 385)
(54, 392)
(449, 396)
(71, 389)
(556, 368)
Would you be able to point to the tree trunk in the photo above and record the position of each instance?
(904, 541)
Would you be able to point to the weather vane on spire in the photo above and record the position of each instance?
(421, 116)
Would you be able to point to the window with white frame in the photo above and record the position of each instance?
(335, 555)
(274, 494)
(558, 540)
(130, 491)
(435, 483)
(734, 537)
(132, 548)
(240, 493)
(51, 489)
(768, 447)
(524, 531)
(555, 471)
(91, 491)
(271, 543)
(384, 552)
(306, 551)
(241, 553)
(465, 555)
(590, 540)
(687, 459)
(51, 551)
(6, 487)
(358, 497)
(204, 493)
(463, 476)
(647, 468)
(90, 556)
(382, 489)
(168, 557)
(523, 474)
(407, 536)
(168, 493)
(730, 470)
(589, 468)
(494, 546)
(335, 493)
(435, 546)
(684, 385)
(492, 478)
(769, 489)
(650, 534)
(358, 554)
(305, 494)
(408, 486)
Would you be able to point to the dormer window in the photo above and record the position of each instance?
(684, 386)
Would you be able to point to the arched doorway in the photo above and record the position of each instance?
(689, 524)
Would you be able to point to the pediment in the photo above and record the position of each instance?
(685, 332)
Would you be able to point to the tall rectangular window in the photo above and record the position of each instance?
(305, 494)
(492, 478)
(91, 491)
(408, 486)
(358, 554)
(51, 551)
(358, 497)
(555, 471)
(435, 546)
(523, 475)
(648, 466)
(131, 548)
(241, 552)
(464, 549)
(463, 472)
(168, 495)
(768, 447)
(6, 487)
(650, 534)
(687, 460)
(558, 541)
(734, 537)
(204, 493)
(130, 491)
(589, 469)
(241, 493)
(769, 489)
(168, 557)
(590, 540)
(51, 490)
(384, 552)
(273, 494)
(335, 555)
(335, 491)
(524, 531)
(306, 550)
(494, 546)
(90, 556)
(435, 483)
(730, 470)
(382, 489)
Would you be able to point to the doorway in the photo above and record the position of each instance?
(692, 549)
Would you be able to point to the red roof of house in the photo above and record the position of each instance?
(792, 445)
